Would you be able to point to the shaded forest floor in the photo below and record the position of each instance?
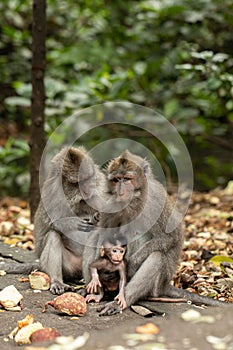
(206, 267)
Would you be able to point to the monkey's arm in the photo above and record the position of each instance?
(99, 264)
(120, 298)
(95, 283)
(91, 253)
(94, 288)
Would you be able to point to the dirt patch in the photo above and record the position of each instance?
(104, 332)
(208, 232)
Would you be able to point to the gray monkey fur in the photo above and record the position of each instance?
(59, 220)
(152, 256)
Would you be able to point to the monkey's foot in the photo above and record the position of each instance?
(60, 288)
(93, 297)
(109, 309)
(82, 291)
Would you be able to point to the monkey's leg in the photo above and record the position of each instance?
(51, 262)
(145, 280)
(137, 258)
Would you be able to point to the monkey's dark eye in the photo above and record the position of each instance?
(115, 179)
(114, 250)
(126, 179)
(122, 251)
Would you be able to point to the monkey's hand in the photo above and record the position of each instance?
(85, 225)
(93, 285)
(120, 299)
(109, 309)
(59, 287)
(70, 224)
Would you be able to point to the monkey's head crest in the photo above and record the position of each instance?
(128, 162)
(74, 164)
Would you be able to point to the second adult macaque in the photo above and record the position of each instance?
(108, 272)
(65, 211)
(73, 182)
(143, 210)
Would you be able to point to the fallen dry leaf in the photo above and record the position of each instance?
(208, 228)
(23, 279)
(6, 228)
(34, 348)
(148, 328)
(29, 319)
(11, 241)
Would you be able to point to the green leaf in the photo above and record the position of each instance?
(219, 259)
(170, 108)
(204, 55)
(18, 101)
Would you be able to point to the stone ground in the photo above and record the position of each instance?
(112, 333)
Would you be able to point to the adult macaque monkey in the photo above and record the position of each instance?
(62, 216)
(152, 253)
(109, 271)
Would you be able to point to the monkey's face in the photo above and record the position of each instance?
(122, 186)
(116, 254)
(127, 177)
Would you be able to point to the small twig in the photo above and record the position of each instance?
(166, 300)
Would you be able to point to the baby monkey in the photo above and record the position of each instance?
(108, 273)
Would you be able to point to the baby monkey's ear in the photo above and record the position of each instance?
(102, 251)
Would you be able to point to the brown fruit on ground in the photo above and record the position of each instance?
(69, 303)
(44, 334)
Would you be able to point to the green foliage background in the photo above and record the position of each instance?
(172, 56)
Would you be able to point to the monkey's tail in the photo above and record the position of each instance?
(174, 292)
(19, 268)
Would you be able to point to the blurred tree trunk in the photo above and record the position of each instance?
(37, 133)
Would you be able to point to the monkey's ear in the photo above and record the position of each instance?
(74, 155)
(102, 252)
(146, 167)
